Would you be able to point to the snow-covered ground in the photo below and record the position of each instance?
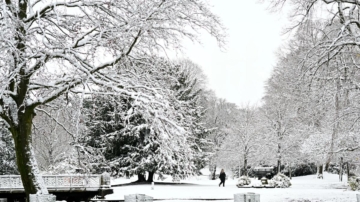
(307, 187)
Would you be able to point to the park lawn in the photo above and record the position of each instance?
(309, 187)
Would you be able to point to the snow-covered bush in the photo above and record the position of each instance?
(354, 184)
(281, 181)
(271, 183)
(243, 180)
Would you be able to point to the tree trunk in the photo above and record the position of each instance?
(151, 176)
(18, 115)
(25, 158)
(336, 125)
(279, 159)
(279, 152)
(279, 166)
(341, 169)
(141, 177)
(127, 174)
(348, 171)
(320, 171)
(290, 171)
(214, 173)
(245, 167)
(327, 164)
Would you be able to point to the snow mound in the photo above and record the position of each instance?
(243, 180)
(281, 181)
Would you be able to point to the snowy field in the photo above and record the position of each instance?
(307, 187)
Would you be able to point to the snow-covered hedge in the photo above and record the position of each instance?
(281, 181)
(354, 184)
(243, 180)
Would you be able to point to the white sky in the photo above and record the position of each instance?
(254, 35)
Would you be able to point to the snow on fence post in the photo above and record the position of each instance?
(42, 198)
(138, 198)
(247, 197)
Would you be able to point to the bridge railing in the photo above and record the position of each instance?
(54, 181)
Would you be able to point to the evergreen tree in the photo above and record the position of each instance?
(189, 92)
(134, 136)
(7, 153)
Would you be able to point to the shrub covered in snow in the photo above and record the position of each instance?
(354, 184)
(281, 181)
(243, 180)
(271, 183)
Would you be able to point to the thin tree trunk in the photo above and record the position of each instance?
(245, 166)
(239, 174)
(214, 173)
(347, 171)
(245, 161)
(151, 176)
(279, 166)
(320, 171)
(290, 171)
(279, 158)
(336, 125)
(341, 169)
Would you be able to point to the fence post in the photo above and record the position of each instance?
(358, 197)
(105, 180)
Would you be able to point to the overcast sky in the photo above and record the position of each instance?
(254, 35)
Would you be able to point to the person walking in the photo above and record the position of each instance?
(222, 177)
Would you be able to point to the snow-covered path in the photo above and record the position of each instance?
(307, 187)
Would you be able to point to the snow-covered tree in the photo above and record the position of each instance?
(189, 90)
(51, 138)
(132, 137)
(244, 140)
(218, 114)
(7, 152)
(49, 48)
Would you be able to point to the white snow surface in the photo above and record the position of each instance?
(308, 187)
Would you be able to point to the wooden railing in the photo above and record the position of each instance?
(54, 181)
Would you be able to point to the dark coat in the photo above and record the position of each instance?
(222, 176)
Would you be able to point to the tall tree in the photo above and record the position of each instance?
(131, 137)
(245, 133)
(49, 48)
(189, 90)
